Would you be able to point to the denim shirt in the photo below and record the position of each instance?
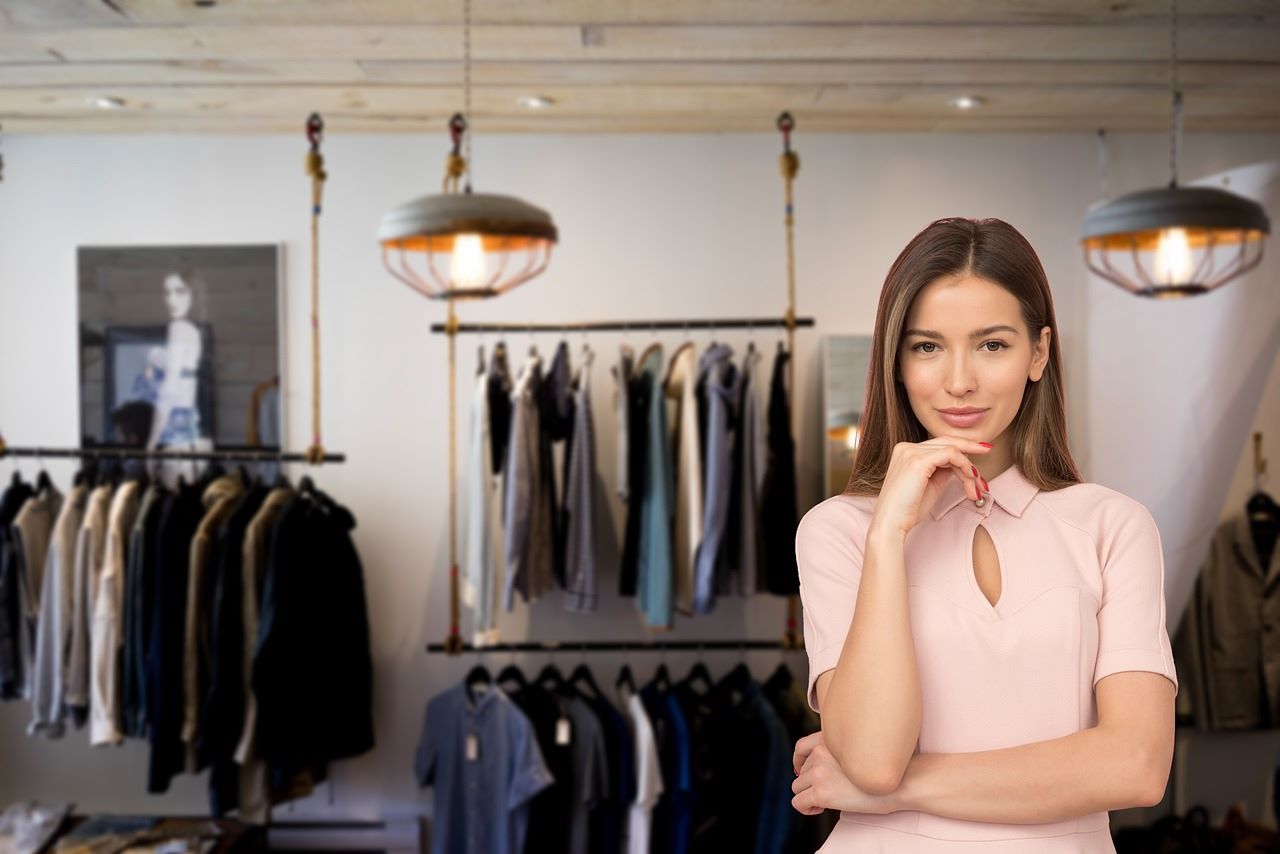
(480, 802)
(653, 576)
(718, 380)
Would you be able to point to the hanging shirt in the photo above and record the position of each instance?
(743, 541)
(717, 379)
(14, 645)
(648, 778)
(680, 389)
(580, 499)
(53, 631)
(482, 549)
(1228, 644)
(529, 507)
(638, 388)
(107, 639)
(90, 551)
(590, 773)
(778, 499)
(1081, 598)
(483, 762)
(653, 551)
(621, 373)
(556, 420)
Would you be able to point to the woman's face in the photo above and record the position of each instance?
(177, 295)
(965, 345)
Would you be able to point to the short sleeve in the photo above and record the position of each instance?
(1131, 620)
(829, 546)
(529, 773)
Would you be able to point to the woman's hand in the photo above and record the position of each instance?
(917, 474)
(820, 783)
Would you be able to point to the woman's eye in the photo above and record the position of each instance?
(917, 347)
(1001, 345)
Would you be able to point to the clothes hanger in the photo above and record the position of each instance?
(477, 675)
(699, 673)
(512, 673)
(625, 679)
(582, 675)
(553, 680)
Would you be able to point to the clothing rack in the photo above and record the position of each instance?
(245, 454)
(627, 325)
(618, 646)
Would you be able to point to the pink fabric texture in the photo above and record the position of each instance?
(1081, 597)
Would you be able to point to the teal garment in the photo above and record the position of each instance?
(654, 568)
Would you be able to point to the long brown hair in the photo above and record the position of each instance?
(989, 249)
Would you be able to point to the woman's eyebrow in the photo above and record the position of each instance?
(977, 333)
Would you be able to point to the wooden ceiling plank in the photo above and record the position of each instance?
(653, 43)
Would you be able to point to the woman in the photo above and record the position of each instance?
(177, 415)
(182, 396)
(986, 633)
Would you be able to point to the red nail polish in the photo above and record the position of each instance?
(985, 487)
(986, 444)
(975, 471)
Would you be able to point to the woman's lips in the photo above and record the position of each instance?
(967, 420)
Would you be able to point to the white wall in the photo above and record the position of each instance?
(652, 226)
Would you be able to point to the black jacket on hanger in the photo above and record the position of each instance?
(779, 514)
(312, 668)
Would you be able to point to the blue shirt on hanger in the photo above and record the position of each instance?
(483, 759)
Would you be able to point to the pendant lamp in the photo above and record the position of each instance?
(1174, 242)
(464, 245)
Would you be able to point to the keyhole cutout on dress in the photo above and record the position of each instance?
(986, 565)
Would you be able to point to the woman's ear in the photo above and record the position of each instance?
(1040, 355)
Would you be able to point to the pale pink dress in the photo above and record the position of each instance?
(1082, 597)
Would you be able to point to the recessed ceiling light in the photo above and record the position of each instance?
(534, 102)
(968, 102)
(106, 102)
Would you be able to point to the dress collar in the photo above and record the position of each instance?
(1010, 489)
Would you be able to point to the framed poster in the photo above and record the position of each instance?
(180, 346)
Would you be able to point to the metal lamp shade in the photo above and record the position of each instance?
(1202, 220)
(419, 238)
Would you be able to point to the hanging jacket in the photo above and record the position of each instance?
(1228, 644)
(53, 630)
(680, 389)
(778, 501)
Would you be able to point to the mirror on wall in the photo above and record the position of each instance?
(845, 359)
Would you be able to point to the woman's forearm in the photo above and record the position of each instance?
(871, 712)
(1086, 772)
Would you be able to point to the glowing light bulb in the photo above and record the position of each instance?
(467, 267)
(1173, 257)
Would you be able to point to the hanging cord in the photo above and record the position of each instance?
(455, 165)
(790, 165)
(466, 84)
(1175, 96)
(315, 168)
(1104, 164)
(453, 643)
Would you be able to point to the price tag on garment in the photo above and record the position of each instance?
(473, 747)
(562, 731)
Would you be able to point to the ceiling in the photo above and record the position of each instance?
(636, 65)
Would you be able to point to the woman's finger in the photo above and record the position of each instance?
(948, 456)
(804, 747)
